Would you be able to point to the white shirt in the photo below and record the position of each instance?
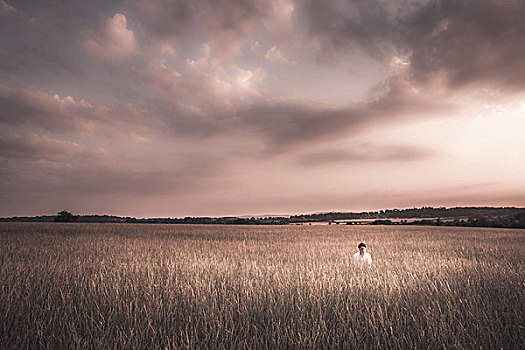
(365, 258)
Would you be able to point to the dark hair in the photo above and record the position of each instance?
(361, 245)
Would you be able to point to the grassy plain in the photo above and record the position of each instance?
(167, 286)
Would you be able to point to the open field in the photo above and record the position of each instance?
(168, 286)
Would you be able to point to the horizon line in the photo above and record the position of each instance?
(269, 215)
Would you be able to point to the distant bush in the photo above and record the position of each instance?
(382, 222)
(65, 216)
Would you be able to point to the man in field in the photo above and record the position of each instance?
(362, 257)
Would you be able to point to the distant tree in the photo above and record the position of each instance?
(65, 216)
(382, 222)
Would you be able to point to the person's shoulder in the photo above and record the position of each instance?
(356, 255)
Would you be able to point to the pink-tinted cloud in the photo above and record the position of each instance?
(366, 153)
(115, 41)
(46, 164)
(225, 23)
(274, 54)
(10, 13)
(462, 42)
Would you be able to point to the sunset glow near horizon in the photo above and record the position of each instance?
(217, 108)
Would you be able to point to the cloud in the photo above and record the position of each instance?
(24, 106)
(115, 41)
(52, 144)
(225, 23)
(35, 110)
(337, 27)
(477, 42)
(10, 13)
(461, 42)
(31, 147)
(274, 54)
(366, 153)
(205, 97)
(286, 125)
(280, 24)
(40, 40)
(46, 164)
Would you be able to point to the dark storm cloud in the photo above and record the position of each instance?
(366, 153)
(351, 25)
(464, 41)
(470, 41)
(284, 126)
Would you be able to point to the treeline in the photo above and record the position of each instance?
(507, 221)
(65, 216)
(423, 212)
(459, 216)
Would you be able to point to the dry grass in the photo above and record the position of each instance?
(159, 286)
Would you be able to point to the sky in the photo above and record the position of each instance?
(252, 107)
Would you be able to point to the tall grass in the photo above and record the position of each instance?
(94, 286)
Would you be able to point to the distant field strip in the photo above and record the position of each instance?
(97, 286)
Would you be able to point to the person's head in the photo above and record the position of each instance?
(362, 248)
